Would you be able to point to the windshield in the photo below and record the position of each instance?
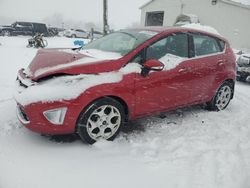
(121, 42)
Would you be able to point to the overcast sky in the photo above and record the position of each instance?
(121, 13)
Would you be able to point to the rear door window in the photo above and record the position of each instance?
(205, 45)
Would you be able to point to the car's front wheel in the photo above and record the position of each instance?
(102, 119)
(222, 97)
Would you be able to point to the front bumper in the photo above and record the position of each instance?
(32, 115)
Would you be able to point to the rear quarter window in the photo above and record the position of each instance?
(222, 44)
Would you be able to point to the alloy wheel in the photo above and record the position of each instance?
(103, 122)
(223, 97)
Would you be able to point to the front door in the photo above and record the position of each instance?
(168, 88)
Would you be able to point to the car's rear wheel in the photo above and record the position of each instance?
(102, 119)
(222, 97)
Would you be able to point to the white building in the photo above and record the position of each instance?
(228, 17)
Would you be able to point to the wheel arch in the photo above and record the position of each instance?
(232, 83)
(116, 98)
(123, 103)
(219, 84)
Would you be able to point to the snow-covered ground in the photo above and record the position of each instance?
(189, 148)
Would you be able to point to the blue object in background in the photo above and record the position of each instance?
(79, 43)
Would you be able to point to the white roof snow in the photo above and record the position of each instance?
(202, 28)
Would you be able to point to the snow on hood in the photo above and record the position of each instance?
(202, 28)
(98, 54)
(69, 87)
(49, 61)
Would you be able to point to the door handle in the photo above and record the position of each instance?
(184, 70)
(220, 63)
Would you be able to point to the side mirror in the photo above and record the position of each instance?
(151, 65)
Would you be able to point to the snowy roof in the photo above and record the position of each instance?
(240, 3)
(200, 27)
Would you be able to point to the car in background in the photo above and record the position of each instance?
(54, 31)
(94, 90)
(184, 19)
(24, 28)
(76, 33)
(243, 67)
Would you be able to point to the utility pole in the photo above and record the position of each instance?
(105, 17)
(182, 6)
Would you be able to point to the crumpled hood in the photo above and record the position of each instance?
(49, 62)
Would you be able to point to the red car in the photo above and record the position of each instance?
(128, 74)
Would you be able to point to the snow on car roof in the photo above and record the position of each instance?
(200, 27)
(192, 26)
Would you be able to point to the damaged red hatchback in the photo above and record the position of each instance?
(128, 74)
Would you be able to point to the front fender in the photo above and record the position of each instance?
(124, 90)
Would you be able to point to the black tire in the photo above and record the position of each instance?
(73, 36)
(216, 104)
(88, 115)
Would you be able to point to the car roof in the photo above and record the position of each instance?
(29, 22)
(178, 29)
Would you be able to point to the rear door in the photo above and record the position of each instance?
(40, 28)
(206, 65)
